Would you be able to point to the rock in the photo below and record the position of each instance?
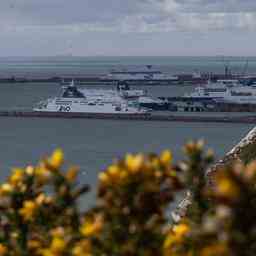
(244, 151)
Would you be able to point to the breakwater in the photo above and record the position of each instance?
(132, 117)
(102, 79)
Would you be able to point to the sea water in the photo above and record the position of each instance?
(93, 144)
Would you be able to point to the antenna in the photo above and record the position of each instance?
(72, 84)
(245, 69)
(227, 67)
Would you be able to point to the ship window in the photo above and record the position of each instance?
(241, 93)
(215, 90)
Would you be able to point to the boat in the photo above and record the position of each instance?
(224, 91)
(73, 100)
(154, 104)
(148, 76)
(124, 91)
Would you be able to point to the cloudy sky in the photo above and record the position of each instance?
(127, 27)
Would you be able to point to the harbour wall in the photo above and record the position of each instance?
(131, 117)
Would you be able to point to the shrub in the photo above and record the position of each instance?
(40, 213)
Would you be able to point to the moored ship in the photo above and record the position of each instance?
(73, 100)
(143, 76)
(224, 91)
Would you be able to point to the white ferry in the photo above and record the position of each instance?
(124, 91)
(141, 75)
(226, 91)
(75, 101)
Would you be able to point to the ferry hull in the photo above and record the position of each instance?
(89, 114)
(155, 106)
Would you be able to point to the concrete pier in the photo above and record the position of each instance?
(132, 117)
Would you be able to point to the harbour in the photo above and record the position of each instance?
(93, 140)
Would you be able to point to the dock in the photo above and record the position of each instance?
(132, 117)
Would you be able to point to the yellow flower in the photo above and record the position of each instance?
(43, 199)
(215, 250)
(58, 245)
(166, 157)
(28, 210)
(176, 235)
(225, 187)
(42, 174)
(134, 162)
(123, 175)
(82, 248)
(104, 178)
(88, 229)
(6, 189)
(72, 174)
(169, 241)
(3, 250)
(114, 173)
(155, 163)
(181, 229)
(47, 252)
(58, 232)
(57, 159)
(92, 227)
(30, 170)
(16, 177)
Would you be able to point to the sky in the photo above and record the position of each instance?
(128, 27)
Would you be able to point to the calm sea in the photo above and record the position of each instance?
(93, 144)
(79, 66)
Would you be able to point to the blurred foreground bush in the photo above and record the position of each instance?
(40, 214)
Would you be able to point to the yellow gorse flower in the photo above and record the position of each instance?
(47, 252)
(16, 177)
(134, 162)
(104, 178)
(42, 174)
(6, 189)
(181, 229)
(30, 170)
(92, 227)
(83, 247)
(166, 157)
(176, 235)
(28, 210)
(225, 187)
(58, 245)
(114, 173)
(72, 173)
(42, 198)
(57, 159)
